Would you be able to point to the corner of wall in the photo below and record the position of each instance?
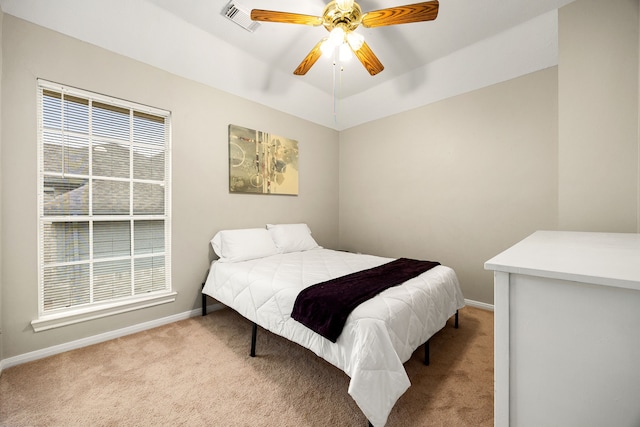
(638, 138)
(1, 335)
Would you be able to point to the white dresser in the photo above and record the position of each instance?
(567, 330)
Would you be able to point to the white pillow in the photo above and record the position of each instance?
(243, 244)
(292, 237)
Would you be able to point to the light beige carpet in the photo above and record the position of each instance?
(197, 372)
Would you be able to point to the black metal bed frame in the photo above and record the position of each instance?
(254, 335)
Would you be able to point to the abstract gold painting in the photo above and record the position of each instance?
(262, 163)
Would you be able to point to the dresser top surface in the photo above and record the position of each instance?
(611, 259)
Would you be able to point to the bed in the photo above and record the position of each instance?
(261, 272)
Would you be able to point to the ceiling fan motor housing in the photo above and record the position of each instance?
(334, 17)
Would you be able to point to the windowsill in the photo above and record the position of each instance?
(64, 319)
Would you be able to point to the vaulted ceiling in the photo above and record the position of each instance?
(471, 44)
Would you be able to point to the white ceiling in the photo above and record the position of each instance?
(472, 44)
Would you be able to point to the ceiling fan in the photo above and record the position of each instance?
(341, 18)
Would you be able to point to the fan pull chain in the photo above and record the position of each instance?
(336, 90)
(333, 76)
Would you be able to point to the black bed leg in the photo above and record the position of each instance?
(426, 353)
(370, 425)
(204, 303)
(254, 334)
(455, 325)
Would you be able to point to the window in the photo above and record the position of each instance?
(104, 205)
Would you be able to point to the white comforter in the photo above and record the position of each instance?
(380, 334)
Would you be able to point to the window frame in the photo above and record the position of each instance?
(56, 317)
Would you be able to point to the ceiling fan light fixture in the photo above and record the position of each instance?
(336, 36)
(327, 48)
(355, 40)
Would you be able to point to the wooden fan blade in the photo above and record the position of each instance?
(310, 59)
(427, 11)
(369, 59)
(286, 17)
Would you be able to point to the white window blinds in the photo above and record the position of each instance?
(104, 200)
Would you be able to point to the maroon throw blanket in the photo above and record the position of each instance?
(324, 307)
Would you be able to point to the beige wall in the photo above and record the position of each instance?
(201, 202)
(460, 180)
(598, 110)
(457, 181)
(1, 315)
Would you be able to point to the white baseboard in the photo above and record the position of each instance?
(478, 304)
(95, 339)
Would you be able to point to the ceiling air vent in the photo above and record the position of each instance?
(240, 16)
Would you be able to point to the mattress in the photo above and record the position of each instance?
(380, 334)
